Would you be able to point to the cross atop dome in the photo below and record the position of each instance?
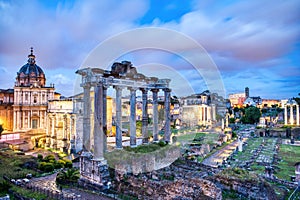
(31, 57)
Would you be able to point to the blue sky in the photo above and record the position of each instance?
(253, 43)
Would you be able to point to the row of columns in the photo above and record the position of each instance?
(100, 117)
(291, 121)
(20, 116)
(132, 118)
(27, 97)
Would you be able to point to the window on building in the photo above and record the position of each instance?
(34, 123)
(35, 99)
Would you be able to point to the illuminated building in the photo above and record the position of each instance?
(197, 109)
(6, 109)
(31, 96)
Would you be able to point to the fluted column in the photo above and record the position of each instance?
(145, 115)
(297, 115)
(118, 117)
(18, 120)
(155, 114)
(291, 115)
(132, 119)
(86, 117)
(28, 119)
(227, 120)
(167, 134)
(285, 115)
(98, 124)
(201, 114)
(213, 111)
(104, 117)
(64, 126)
(53, 126)
(222, 124)
(23, 119)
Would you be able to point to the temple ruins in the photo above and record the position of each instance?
(93, 166)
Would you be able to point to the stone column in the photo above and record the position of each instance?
(222, 124)
(155, 114)
(118, 117)
(213, 111)
(53, 126)
(297, 115)
(167, 134)
(291, 115)
(28, 119)
(240, 145)
(104, 117)
(227, 120)
(201, 114)
(86, 117)
(41, 122)
(285, 115)
(64, 126)
(23, 119)
(145, 115)
(98, 124)
(15, 121)
(132, 119)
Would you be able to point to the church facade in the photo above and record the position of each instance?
(31, 96)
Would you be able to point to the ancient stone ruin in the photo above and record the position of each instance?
(93, 166)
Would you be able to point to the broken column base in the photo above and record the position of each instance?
(94, 174)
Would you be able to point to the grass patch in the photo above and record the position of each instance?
(28, 193)
(139, 154)
(258, 169)
(231, 194)
(15, 166)
(146, 148)
(238, 173)
(290, 155)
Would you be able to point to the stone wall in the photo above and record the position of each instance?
(127, 162)
(279, 132)
(178, 189)
(93, 172)
(258, 189)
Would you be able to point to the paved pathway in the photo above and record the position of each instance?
(217, 158)
(48, 184)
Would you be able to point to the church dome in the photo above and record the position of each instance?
(30, 74)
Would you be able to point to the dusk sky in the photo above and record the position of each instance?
(253, 43)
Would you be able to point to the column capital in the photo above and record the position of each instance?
(105, 86)
(86, 85)
(132, 89)
(167, 90)
(144, 90)
(118, 87)
(155, 90)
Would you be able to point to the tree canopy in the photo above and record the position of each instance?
(252, 115)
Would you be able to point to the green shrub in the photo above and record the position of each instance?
(49, 157)
(41, 165)
(161, 143)
(69, 176)
(40, 157)
(59, 164)
(234, 135)
(4, 186)
(49, 167)
(68, 163)
(46, 167)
